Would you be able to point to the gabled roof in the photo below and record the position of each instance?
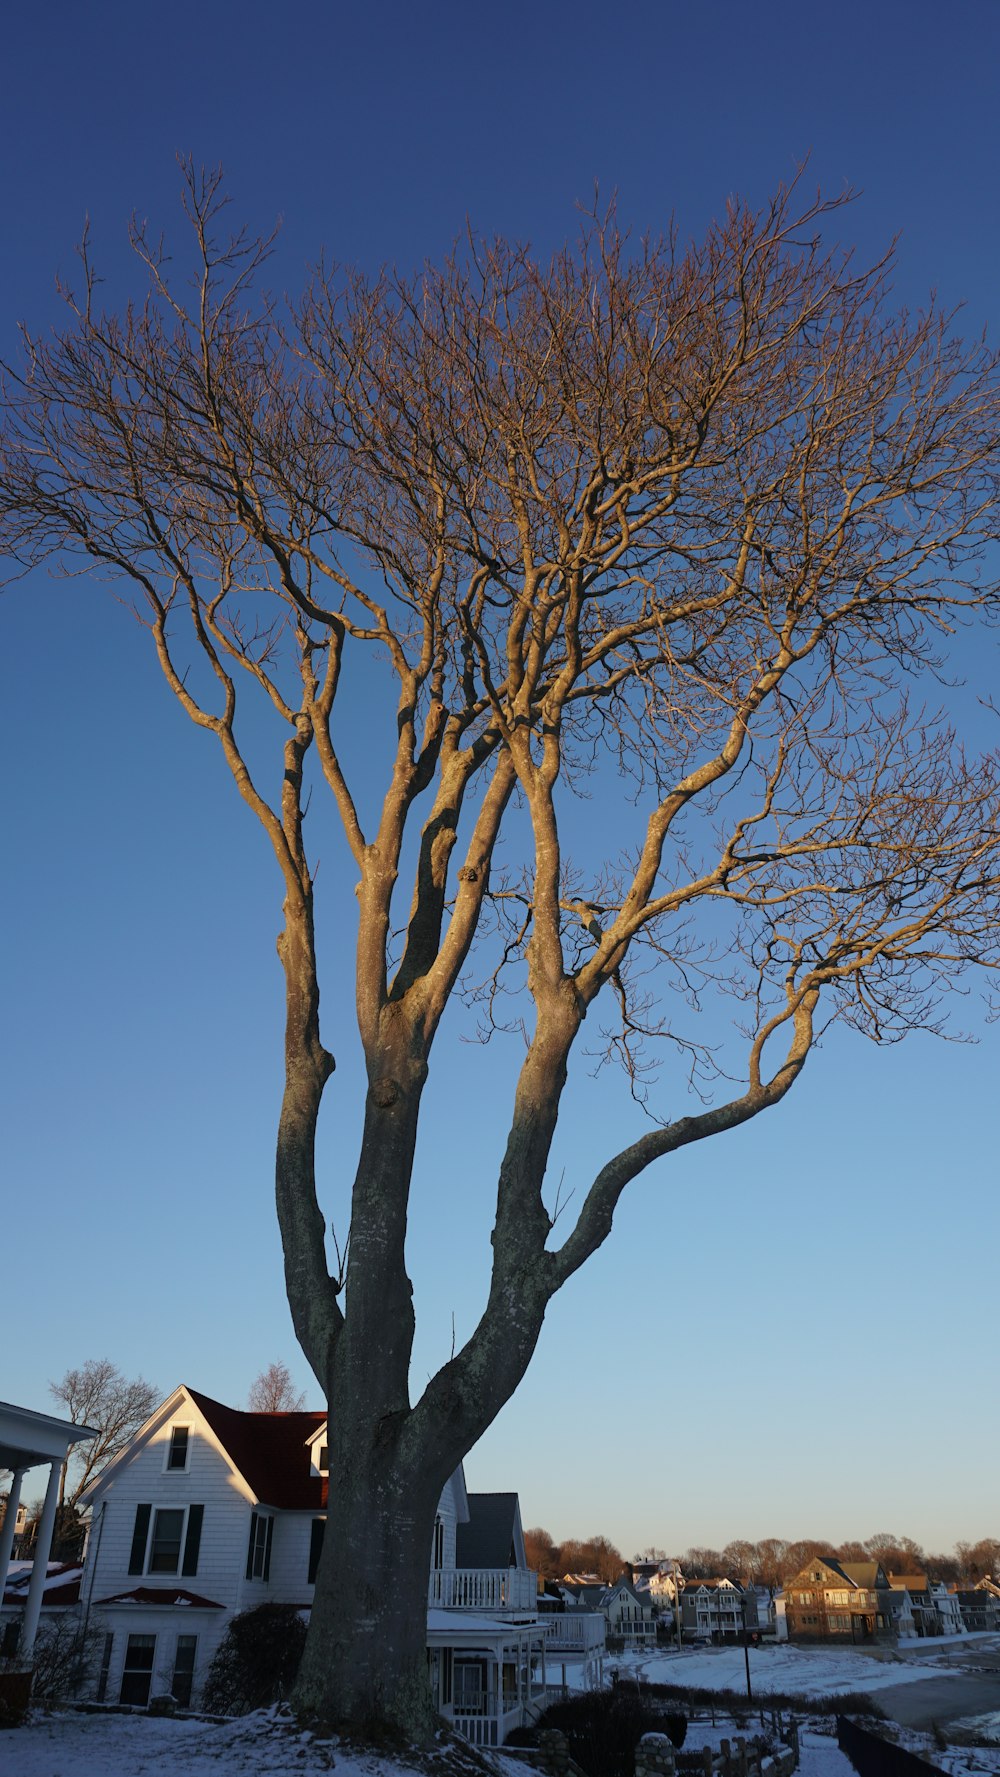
(623, 1584)
(861, 1573)
(492, 1536)
(269, 1449)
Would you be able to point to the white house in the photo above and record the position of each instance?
(630, 1618)
(211, 1511)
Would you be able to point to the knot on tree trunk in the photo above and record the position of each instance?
(385, 1092)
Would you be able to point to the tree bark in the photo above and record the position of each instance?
(365, 1661)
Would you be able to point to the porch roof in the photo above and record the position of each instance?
(450, 1628)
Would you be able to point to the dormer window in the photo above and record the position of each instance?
(318, 1450)
(177, 1454)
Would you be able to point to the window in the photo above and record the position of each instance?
(323, 1459)
(137, 1674)
(315, 1547)
(159, 1549)
(259, 1551)
(165, 1543)
(177, 1453)
(184, 1669)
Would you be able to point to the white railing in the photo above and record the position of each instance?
(478, 1719)
(575, 1632)
(482, 1588)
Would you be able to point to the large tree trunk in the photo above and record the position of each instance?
(365, 1661)
(366, 1656)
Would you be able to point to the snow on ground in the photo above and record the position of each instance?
(800, 1671)
(66, 1744)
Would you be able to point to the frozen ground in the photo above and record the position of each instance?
(65, 1744)
(807, 1672)
(68, 1744)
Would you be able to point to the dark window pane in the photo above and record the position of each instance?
(178, 1447)
(165, 1548)
(137, 1675)
(315, 1546)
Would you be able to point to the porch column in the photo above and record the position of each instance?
(7, 1533)
(43, 1544)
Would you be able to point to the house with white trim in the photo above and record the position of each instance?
(211, 1511)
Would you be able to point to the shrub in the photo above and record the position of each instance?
(257, 1660)
(603, 1728)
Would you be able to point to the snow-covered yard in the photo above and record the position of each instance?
(66, 1744)
(800, 1671)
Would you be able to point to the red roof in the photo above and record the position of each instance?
(269, 1449)
(62, 1584)
(162, 1595)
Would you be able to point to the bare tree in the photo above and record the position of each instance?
(739, 1560)
(274, 1392)
(99, 1395)
(695, 519)
(542, 1553)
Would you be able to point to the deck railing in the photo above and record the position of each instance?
(484, 1719)
(575, 1632)
(483, 1588)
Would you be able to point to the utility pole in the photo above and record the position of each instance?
(746, 1648)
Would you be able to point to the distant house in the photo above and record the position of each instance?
(830, 1598)
(630, 1617)
(713, 1609)
(980, 1607)
(935, 1609)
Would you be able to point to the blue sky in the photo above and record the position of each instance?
(791, 1330)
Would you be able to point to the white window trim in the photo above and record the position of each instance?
(179, 1425)
(165, 1506)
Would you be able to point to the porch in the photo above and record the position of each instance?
(575, 1632)
(482, 1588)
(487, 1676)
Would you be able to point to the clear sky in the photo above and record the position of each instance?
(791, 1331)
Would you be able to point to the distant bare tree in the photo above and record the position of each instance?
(274, 1392)
(702, 1563)
(592, 1554)
(681, 524)
(115, 1406)
(739, 1560)
(797, 1554)
(978, 1561)
(542, 1553)
(770, 1561)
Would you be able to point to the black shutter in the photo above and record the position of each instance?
(192, 1542)
(267, 1548)
(315, 1546)
(252, 1543)
(139, 1538)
